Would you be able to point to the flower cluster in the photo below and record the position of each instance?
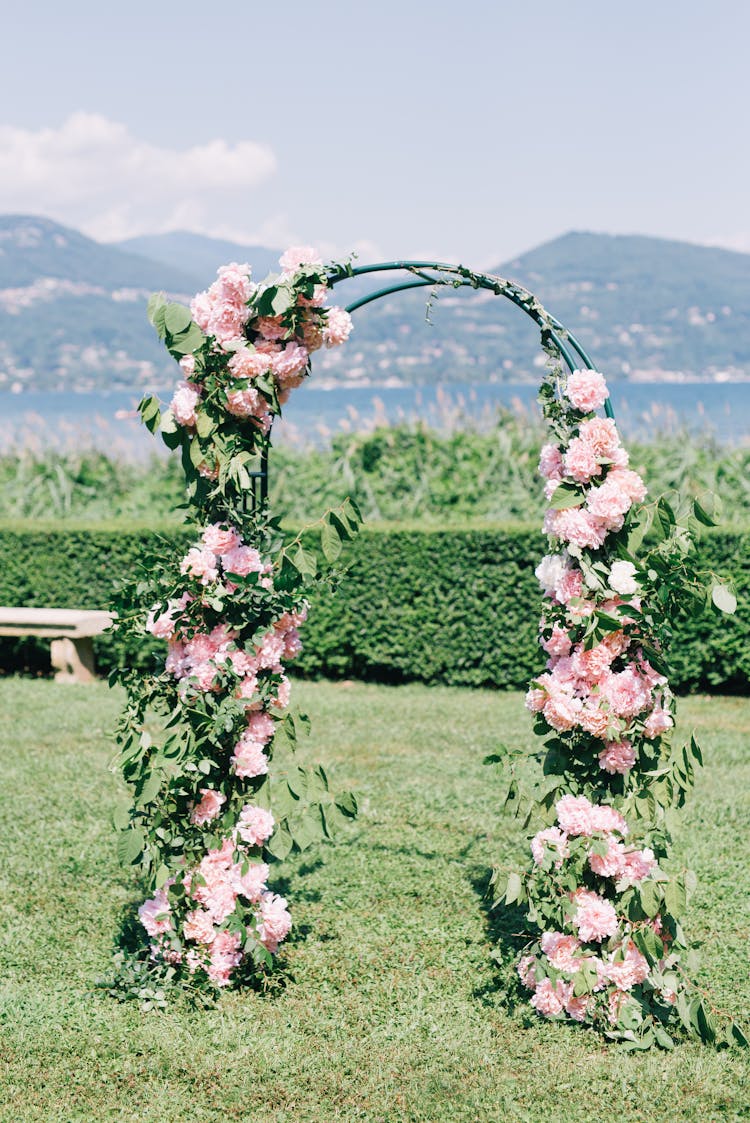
(608, 937)
(591, 965)
(209, 914)
(258, 342)
(209, 811)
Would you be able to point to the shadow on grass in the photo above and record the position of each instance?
(507, 931)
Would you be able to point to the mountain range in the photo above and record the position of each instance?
(72, 311)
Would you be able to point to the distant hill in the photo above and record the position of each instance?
(201, 256)
(72, 311)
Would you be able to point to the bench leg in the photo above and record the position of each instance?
(73, 659)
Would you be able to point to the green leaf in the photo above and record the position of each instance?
(155, 312)
(150, 411)
(130, 846)
(737, 1036)
(177, 318)
(280, 844)
(702, 515)
(724, 599)
(330, 541)
(514, 889)
(188, 342)
(347, 804)
(565, 496)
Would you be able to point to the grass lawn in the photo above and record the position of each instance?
(387, 1006)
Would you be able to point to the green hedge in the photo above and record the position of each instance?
(456, 607)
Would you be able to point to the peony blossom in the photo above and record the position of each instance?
(274, 923)
(617, 757)
(155, 915)
(586, 390)
(594, 918)
(255, 825)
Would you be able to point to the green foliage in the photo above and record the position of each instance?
(414, 605)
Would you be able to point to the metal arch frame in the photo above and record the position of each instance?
(423, 274)
(458, 276)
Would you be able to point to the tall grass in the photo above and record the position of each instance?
(407, 471)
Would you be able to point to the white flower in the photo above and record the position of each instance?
(550, 570)
(622, 578)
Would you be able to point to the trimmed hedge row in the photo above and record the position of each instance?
(456, 607)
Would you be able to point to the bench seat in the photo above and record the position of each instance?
(70, 630)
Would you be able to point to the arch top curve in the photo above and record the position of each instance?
(432, 274)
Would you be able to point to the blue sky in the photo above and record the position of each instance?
(468, 131)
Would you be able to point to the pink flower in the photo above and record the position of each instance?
(338, 327)
(255, 825)
(261, 727)
(220, 539)
(617, 757)
(271, 327)
(526, 968)
(283, 693)
(609, 503)
(549, 1000)
(199, 926)
(639, 864)
(200, 563)
(595, 918)
(234, 283)
(629, 482)
(184, 403)
(601, 434)
(586, 390)
(606, 819)
(551, 462)
(275, 922)
(246, 403)
(627, 693)
(561, 951)
(558, 643)
(208, 808)
(242, 560)
(657, 722)
(580, 461)
(219, 898)
(574, 814)
(593, 720)
(248, 759)
(611, 864)
(569, 586)
(629, 971)
(562, 712)
(290, 364)
(225, 956)
(577, 526)
(550, 838)
(155, 914)
(578, 1008)
(295, 256)
(252, 883)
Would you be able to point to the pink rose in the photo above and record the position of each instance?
(220, 539)
(337, 328)
(155, 915)
(586, 390)
(274, 922)
(199, 926)
(580, 461)
(552, 838)
(561, 951)
(618, 757)
(601, 434)
(248, 759)
(184, 403)
(295, 256)
(551, 462)
(549, 1000)
(208, 808)
(201, 563)
(595, 918)
(255, 825)
(242, 560)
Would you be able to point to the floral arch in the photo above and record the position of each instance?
(207, 742)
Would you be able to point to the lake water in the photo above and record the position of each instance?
(314, 415)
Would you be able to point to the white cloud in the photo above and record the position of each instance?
(95, 175)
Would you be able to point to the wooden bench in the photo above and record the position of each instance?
(70, 630)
